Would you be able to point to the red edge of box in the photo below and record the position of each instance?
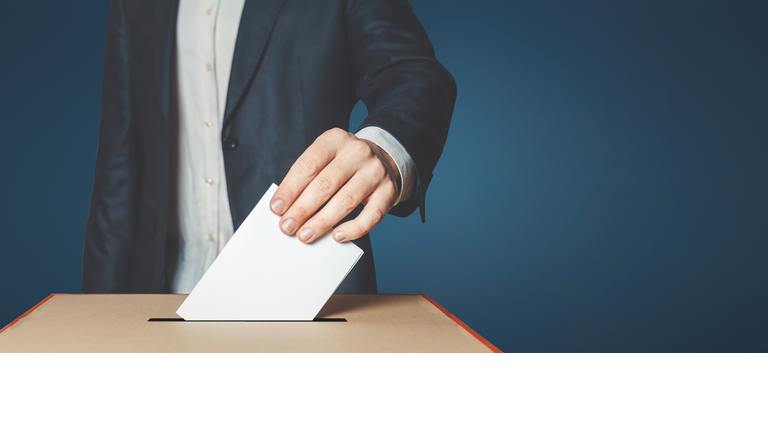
(464, 326)
(27, 313)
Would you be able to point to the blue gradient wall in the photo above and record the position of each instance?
(603, 187)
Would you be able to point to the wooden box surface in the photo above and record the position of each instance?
(121, 323)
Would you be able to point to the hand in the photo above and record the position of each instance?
(348, 171)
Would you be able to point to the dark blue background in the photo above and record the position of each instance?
(603, 187)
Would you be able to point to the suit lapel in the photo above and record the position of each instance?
(256, 24)
(165, 14)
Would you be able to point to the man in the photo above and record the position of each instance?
(205, 103)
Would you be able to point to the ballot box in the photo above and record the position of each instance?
(148, 323)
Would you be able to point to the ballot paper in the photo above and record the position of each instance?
(263, 274)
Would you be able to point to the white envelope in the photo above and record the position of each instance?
(263, 274)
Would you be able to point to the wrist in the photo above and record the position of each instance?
(388, 162)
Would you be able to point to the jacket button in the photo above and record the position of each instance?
(230, 143)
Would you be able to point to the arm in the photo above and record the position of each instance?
(111, 227)
(408, 94)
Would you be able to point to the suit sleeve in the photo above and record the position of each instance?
(408, 93)
(110, 231)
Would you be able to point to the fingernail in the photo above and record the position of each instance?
(340, 236)
(289, 225)
(307, 234)
(278, 206)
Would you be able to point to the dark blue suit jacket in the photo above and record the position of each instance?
(299, 68)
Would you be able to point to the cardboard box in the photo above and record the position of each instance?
(348, 323)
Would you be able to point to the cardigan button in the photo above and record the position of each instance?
(230, 143)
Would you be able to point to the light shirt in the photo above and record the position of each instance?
(205, 44)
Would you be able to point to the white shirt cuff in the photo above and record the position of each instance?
(397, 152)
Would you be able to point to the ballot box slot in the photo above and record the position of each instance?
(183, 320)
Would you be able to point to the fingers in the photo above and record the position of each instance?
(379, 203)
(306, 168)
(357, 190)
(342, 171)
(317, 193)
